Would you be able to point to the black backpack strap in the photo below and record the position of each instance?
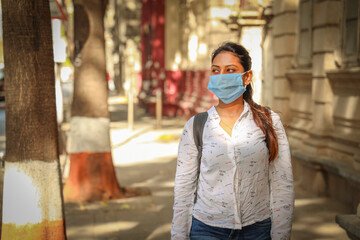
(198, 129)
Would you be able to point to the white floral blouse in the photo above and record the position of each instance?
(237, 184)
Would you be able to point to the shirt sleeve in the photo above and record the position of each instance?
(185, 184)
(281, 186)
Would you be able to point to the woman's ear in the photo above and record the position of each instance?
(248, 77)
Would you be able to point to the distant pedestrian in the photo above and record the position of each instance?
(243, 186)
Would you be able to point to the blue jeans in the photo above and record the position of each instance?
(257, 231)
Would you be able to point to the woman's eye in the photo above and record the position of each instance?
(231, 70)
(215, 71)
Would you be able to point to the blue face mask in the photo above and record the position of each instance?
(227, 87)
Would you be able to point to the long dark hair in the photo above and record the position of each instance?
(262, 115)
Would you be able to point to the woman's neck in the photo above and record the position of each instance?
(233, 109)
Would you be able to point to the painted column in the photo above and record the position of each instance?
(153, 50)
(173, 57)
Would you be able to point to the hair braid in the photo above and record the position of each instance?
(262, 118)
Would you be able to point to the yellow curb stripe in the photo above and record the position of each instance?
(46, 230)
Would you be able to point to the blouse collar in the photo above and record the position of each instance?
(213, 114)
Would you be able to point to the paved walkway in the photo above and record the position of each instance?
(146, 158)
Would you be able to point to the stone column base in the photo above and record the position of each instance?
(351, 223)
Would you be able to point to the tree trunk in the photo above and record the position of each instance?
(32, 199)
(92, 175)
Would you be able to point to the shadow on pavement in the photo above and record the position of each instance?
(144, 217)
(314, 217)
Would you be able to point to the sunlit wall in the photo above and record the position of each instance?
(251, 39)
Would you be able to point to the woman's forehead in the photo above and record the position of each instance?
(226, 58)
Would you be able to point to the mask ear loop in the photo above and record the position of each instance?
(243, 74)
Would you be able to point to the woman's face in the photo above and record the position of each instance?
(226, 62)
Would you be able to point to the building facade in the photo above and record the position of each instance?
(312, 69)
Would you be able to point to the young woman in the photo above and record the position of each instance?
(244, 189)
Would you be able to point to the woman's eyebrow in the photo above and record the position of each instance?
(230, 65)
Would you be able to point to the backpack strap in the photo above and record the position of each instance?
(198, 129)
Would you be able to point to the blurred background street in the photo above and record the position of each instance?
(105, 87)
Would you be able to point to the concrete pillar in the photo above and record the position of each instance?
(172, 34)
(284, 50)
(325, 40)
(267, 72)
(300, 105)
